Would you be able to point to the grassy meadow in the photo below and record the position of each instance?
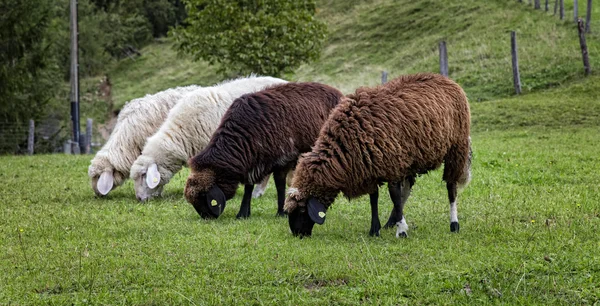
(529, 219)
(529, 230)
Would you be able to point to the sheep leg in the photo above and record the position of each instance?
(395, 191)
(452, 193)
(245, 207)
(399, 193)
(375, 224)
(279, 177)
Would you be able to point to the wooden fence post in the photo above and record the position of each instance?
(88, 136)
(588, 17)
(30, 137)
(515, 62)
(537, 5)
(546, 5)
(443, 59)
(575, 11)
(383, 77)
(562, 9)
(583, 45)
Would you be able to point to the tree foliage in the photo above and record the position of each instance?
(35, 50)
(261, 36)
(26, 66)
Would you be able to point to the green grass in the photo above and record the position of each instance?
(402, 36)
(529, 230)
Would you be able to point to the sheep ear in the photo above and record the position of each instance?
(152, 176)
(105, 183)
(215, 198)
(316, 211)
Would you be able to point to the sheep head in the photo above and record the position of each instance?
(148, 178)
(303, 212)
(207, 194)
(103, 176)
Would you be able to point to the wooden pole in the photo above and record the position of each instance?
(30, 137)
(575, 11)
(443, 59)
(562, 9)
(583, 45)
(546, 5)
(74, 78)
(537, 5)
(515, 62)
(588, 17)
(88, 136)
(383, 77)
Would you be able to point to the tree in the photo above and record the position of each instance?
(27, 69)
(261, 36)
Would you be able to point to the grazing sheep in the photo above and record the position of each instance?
(390, 133)
(261, 133)
(138, 119)
(186, 131)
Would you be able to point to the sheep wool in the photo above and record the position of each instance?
(139, 119)
(390, 133)
(261, 133)
(186, 131)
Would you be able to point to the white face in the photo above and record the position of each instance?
(143, 192)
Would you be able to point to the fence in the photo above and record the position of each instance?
(45, 136)
(582, 28)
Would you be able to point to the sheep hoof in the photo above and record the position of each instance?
(242, 216)
(281, 214)
(454, 227)
(402, 235)
(374, 233)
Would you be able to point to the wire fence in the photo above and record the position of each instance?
(44, 137)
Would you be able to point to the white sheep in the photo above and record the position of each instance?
(186, 131)
(139, 119)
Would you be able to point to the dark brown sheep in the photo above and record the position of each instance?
(390, 133)
(261, 133)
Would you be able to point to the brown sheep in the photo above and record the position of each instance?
(260, 133)
(390, 133)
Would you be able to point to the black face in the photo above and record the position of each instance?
(202, 207)
(209, 205)
(300, 222)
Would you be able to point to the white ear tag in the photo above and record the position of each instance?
(152, 176)
(105, 183)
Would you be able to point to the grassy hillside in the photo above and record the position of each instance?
(529, 230)
(401, 36)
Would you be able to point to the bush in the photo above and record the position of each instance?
(266, 37)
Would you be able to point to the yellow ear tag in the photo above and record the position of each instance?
(214, 203)
(321, 214)
(155, 180)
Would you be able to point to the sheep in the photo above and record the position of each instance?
(390, 133)
(186, 131)
(138, 119)
(261, 133)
